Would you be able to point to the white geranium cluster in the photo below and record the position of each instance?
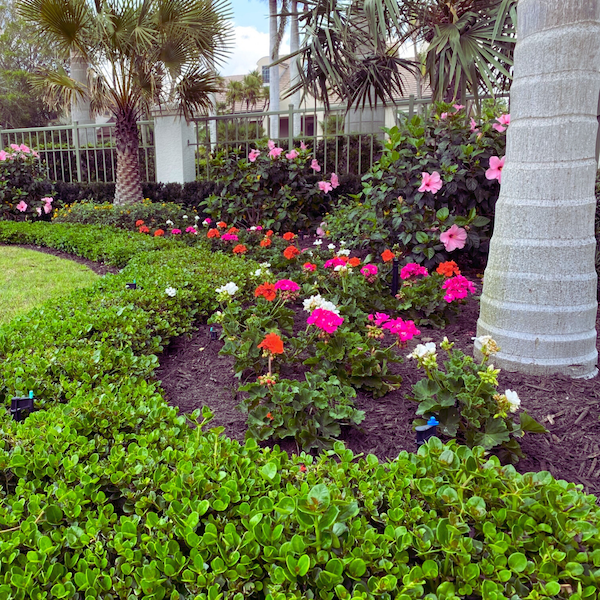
(170, 291)
(317, 301)
(423, 351)
(229, 289)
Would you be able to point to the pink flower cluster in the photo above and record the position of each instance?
(229, 237)
(334, 262)
(325, 320)
(19, 151)
(274, 151)
(310, 267)
(314, 165)
(191, 229)
(405, 330)
(253, 155)
(413, 270)
(370, 272)
(287, 285)
(327, 186)
(457, 288)
(175, 231)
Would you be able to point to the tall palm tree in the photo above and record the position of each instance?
(234, 93)
(540, 285)
(253, 88)
(141, 54)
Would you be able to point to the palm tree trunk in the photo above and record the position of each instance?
(539, 296)
(129, 187)
(274, 70)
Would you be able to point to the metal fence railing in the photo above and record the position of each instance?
(82, 153)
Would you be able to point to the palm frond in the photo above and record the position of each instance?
(58, 89)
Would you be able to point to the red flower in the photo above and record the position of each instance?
(388, 256)
(233, 230)
(213, 233)
(289, 236)
(303, 468)
(158, 233)
(354, 262)
(310, 267)
(267, 291)
(144, 229)
(269, 233)
(291, 252)
(139, 222)
(265, 242)
(448, 269)
(222, 224)
(272, 344)
(270, 416)
(240, 249)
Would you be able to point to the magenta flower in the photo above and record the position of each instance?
(413, 270)
(431, 183)
(229, 237)
(207, 221)
(458, 107)
(287, 285)
(191, 229)
(379, 318)
(495, 170)
(314, 165)
(259, 228)
(453, 239)
(22, 206)
(253, 155)
(502, 121)
(334, 262)
(457, 288)
(292, 155)
(369, 270)
(3, 155)
(325, 320)
(325, 186)
(310, 267)
(175, 231)
(335, 181)
(405, 330)
(275, 152)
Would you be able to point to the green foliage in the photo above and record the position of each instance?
(465, 401)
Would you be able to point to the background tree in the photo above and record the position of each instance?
(253, 89)
(234, 93)
(142, 54)
(539, 297)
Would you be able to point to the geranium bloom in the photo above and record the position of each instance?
(413, 270)
(288, 236)
(317, 301)
(292, 155)
(503, 120)
(335, 181)
(229, 237)
(334, 262)
(222, 225)
(325, 186)
(453, 239)
(495, 170)
(275, 152)
(240, 249)
(206, 221)
(233, 230)
(22, 206)
(139, 223)
(175, 231)
(272, 344)
(448, 269)
(431, 183)
(311, 267)
(253, 155)
(229, 288)
(457, 288)
(405, 330)
(291, 252)
(265, 242)
(213, 233)
(159, 232)
(269, 233)
(287, 285)
(354, 261)
(314, 165)
(387, 256)
(379, 318)
(144, 229)
(267, 291)
(325, 320)
(191, 229)
(369, 270)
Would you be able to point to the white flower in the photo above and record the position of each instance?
(171, 292)
(513, 399)
(206, 222)
(309, 252)
(343, 252)
(487, 344)
(311, 303)
(229, 288)
(422, 351)
(330, 306)
(343, 243)
(331, 246)
(317, 242)
(253, 228)
(258, 273)
(184, 217)
(196, 218)
(169, 222)
(265, 265)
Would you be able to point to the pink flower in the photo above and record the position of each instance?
(15, 147)
(502, 121)
(303, 146)
(495, 170)
(457, 107)
(292, 155)
(271, 144)
(314, 165)
(3, 155)
(457, 288)
(275, 152)
(321, 229)
(473, 125)
(453, 239)
(379, 318)
(38, 210)
(369, 270)
(334, 262)
(48, 200)
(443, 116)
(287, 285)
(325, 186)
(253, 155)
(413, 270)
(47, 208)
(405, 330)
(311, 267)
(259, 228)
(175, 231)
(207, 221)
(229, 237)
(431, 183)
(24, 148)
(191, 229)
(22, 206)
(325, 319)
(334, 181)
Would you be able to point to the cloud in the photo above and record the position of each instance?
(250, 46)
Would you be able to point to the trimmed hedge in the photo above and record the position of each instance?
(109, 493)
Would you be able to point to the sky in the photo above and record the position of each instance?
(251, 27)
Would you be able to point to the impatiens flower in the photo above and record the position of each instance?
(229, 288)
(473, 125)
(286, 285)
(275, 152)
(303, 146)
(159, 232)
(310, 267)
(288, 236)
(213, 233)
(291, 252)
(495, 170)
(387, 256)
(454, 238)
(325, 186)
(139, 223)
(431, 183)
(503, 122)
(413, 270)
(272, 344)
(325, 320)
(314, 165)
(240, 249)
(253, 155)
(513, 399)
(292, 155)
(457, 288)
(22, 206)
(335, 181)
(457, 107)
(448, 269)
(175, 231)
(266, 291)
(172, 292)
(229, 237)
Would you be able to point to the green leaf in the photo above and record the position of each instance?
(517, 562)
(528, 423)
(269, 471)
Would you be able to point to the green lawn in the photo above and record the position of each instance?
(29, 278)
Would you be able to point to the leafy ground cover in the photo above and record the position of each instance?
(28, 278)
(109, 493)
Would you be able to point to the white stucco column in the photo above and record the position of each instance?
(174, 140)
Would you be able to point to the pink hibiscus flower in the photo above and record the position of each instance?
(292, 155)
(502, 121)
(454, 239)
(495, 170)
(303, 146)
(271, 144)
(253, 155)
(275, 152)
(431, 183)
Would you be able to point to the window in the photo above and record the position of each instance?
(266, 74)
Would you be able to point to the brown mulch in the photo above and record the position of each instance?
(193, 374)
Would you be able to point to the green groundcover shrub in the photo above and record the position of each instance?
(109, 493)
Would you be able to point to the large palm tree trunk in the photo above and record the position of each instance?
(540, 285)
(129, 187)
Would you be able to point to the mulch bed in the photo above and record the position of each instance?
(193, 375)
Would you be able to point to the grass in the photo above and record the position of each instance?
(29, 278)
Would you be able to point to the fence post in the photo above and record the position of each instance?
(290, 127)
(1, 145)
(411, 106)
(75, 133)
